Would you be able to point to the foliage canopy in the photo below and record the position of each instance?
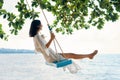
(70, 14)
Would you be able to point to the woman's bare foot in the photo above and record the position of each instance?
(91, 56)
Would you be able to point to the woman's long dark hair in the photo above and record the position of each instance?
(35, 26)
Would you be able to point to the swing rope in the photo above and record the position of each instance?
(46, 21)
(51, 31)
(59, 63)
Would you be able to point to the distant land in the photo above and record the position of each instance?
(5, 50)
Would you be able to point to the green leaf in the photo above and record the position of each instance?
(2, 33)
(99, 26)
(4, 16)
(1, 36)
(1, 3)
(87, 26)
(3, 11)
(22, 1)
(0, 26)
(15, 32)
(12, 31)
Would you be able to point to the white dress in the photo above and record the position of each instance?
(50, 55)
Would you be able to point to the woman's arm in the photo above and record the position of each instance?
(51, 39)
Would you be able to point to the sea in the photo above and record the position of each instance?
(32, 67)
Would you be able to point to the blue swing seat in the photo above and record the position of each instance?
(61, 63)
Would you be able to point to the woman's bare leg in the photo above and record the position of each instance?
(79, 56)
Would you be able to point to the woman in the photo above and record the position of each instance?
(44, 47)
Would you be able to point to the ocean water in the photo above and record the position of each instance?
(33, 67)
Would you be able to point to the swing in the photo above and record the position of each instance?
(59, 63)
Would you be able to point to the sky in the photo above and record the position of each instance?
(106, 40)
